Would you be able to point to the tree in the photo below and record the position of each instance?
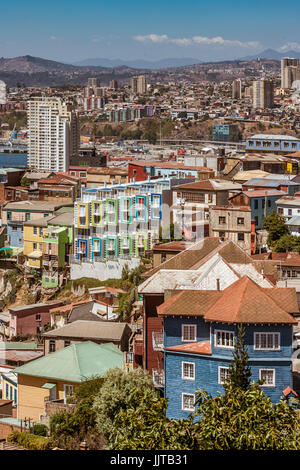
(239, 371)
(143, 426)
(117, 393)
(287, 243)
(275, 226)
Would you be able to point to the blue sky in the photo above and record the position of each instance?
(68, 30)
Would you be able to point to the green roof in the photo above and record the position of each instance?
(17, 345)
(75, 363)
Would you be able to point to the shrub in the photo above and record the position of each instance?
(29, 441)
(40, 430)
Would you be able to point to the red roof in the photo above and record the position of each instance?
(179, 166)
(203, 347)
(242, 302)
(289, 390)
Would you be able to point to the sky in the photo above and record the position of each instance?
(70, 31)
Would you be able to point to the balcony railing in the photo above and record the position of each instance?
(158, 378)
(157, 341)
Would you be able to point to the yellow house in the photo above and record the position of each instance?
(52, 378)
(33, 241)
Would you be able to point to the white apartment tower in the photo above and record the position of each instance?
(53, 134)
(2, 92)
(263, 94)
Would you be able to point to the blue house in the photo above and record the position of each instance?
(261, 203)
(200, 330)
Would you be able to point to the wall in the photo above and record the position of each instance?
(101, 270)
(31, 397)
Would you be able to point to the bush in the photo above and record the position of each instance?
(40, 430)
(29, 441)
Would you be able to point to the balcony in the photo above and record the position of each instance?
(157, 341)
(158, 378)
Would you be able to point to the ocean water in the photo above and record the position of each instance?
(13, 160)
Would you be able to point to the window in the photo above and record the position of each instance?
(188, 402)
(224, 339)
(34, 245)
(67, 343)
(189, 333)
(68, 389)
(27, 216)
(34, 230)
(8, 216)
(241, 236)
(38, 317)
(255, 204)
(222, 220)
(256, 220)
(240, 220)
(188, 370)
(268, 377)
(223, 375)
(267, 341)
(52, 345)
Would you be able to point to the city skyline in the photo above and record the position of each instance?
(152, 32)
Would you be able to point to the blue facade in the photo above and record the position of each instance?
(208, 368)
(273, 143)
(261, 207)
(15, 235)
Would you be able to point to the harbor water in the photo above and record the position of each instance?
(13, 160)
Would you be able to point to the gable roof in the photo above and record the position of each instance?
(75, 363)
(109, 331)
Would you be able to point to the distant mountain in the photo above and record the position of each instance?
(271, 54)
(29, 64)
(139, 63)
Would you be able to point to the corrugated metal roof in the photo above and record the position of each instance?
(75, 363)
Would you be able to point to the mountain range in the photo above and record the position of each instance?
(139, 63)
(271, 54)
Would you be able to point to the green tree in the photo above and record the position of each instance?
(287, 243)
(275, 226)
(117, 393)
(143, 425)
(239, 371)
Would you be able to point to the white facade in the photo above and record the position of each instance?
(53, 134)
(2, 92)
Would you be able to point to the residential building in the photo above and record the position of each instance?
(212, 265)
(263, 94)
(2, 93)
(290, 71)
(233, 223)
(15, 214)
(161, 252)
(105, 175)
(272, 143)
(87, 330)
(266, 184)
(200, 330)
(261, 202)
(140, 171)
(225, 133)
(191, 203)
(59, 188)
(53, 134)
(288, 206)
(139, 84)
(30, 319)
(52, 378)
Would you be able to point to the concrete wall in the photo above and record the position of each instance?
(102, 270)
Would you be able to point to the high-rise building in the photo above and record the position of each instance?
(94, 82)
(139, 84)
(290, 71)
(2, 92)
(93, 95)
(236, 89)
(263, 94)
(113, 84)
(53, 134)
